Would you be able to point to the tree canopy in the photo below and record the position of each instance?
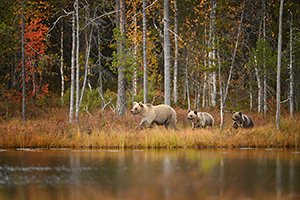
(200, 34)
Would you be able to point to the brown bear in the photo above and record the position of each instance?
(155, 115)
(241, 120)
(200, 119)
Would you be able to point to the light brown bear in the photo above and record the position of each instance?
(155, 115)
(241, 120)
(200, 119)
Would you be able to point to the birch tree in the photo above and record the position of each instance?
(212, 54)
(77, 60)
(291, 69)
(72, 71)
(221, 91)
(24, 115)
(87, 56)
(62, 63)
(145, 53)
(167, 81)
(234, 55)
(134, 78)
(121, 100)
(175, 94)
(279, 66)
(264, 63)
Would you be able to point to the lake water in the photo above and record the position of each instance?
(243, 173)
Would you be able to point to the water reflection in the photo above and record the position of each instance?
(150, 174)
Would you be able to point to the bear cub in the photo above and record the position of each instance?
(241, 120)
(200, 119)
(155, 115)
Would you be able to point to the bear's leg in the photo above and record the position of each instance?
(235, 125)
(143, 124)
(153, 124)
(193, 125)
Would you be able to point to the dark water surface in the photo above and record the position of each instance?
(150, 174)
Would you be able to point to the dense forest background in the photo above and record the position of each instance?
(218, 50)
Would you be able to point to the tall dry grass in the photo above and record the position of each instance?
(107, 130)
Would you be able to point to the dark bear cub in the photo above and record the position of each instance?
(241, 120)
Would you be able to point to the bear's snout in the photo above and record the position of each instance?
(190, 117)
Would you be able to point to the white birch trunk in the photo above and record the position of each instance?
(221, 91)
(291, 70)
(187, 82)
(62, 64)
(167, 81)
(145, 53)
(87, 56)
(264, 67)
(205, 65)
(279, 66)
(77, 60)
(100, 68)
(234, 55)
(134, 78)
(72, 72)
(175, 94)
(204, 90)
(212, 54)
(121, 100)
(24, 114)
(259, 90)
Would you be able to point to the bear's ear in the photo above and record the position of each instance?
(135, 103)
(240, 113)
(195, 112)
(141, 104)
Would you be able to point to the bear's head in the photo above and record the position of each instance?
(192, 114)
(237, 116)
(137, 108)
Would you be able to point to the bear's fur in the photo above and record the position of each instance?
(155, 115)
(200, 119)
(241, 120)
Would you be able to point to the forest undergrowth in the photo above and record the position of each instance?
(104, 129)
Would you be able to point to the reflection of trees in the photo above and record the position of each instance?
(278, 177)
(167, 173)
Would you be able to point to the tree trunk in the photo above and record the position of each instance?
(291, 70)
(167, 52)
(279, 66)
(234, 54)
(175, 94)
(100, 67)
(204, 90)
(145, 53)
(24, 114)
(251, 92)
(72, 72)
(187, 80)
(259, 96)
(212, 54)
(221, 91)
(87, 56)
(62, 64)
(33, 82)
(205, 64)
(121, 101)
(77, 60)
(134, 78)
(264, 67)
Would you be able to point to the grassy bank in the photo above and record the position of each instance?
(107, 130)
